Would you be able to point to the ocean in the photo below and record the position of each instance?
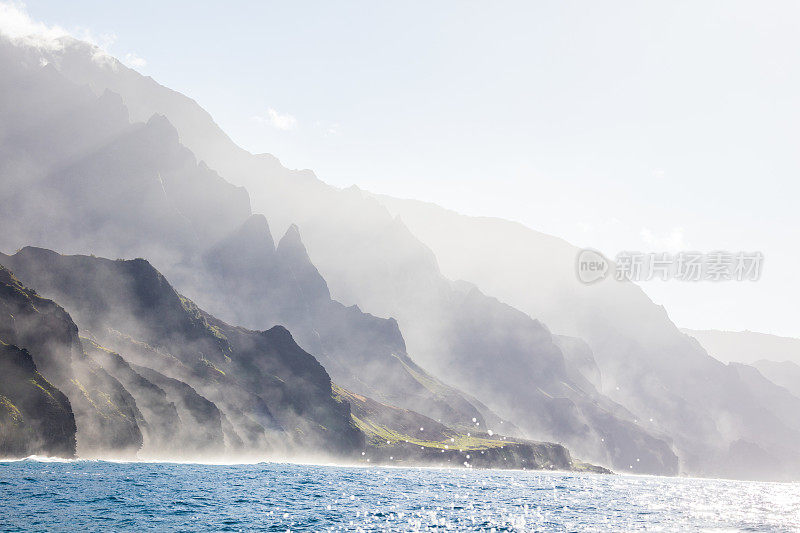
(139, 496)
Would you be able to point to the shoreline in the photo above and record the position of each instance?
(220, 462)
(215, 462)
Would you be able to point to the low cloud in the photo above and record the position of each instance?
(134, 61)
(17, 25)
(280, 121)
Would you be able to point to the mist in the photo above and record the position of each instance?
(213, 301)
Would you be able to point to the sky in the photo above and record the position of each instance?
(652, 126)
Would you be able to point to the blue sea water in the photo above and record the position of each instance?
(110, 496)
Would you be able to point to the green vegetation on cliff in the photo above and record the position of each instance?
(105, 414)
(234, 390)
(402, 437)
(35, 417)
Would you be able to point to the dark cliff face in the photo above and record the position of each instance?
(105, 413)
(368, 258)
(35, 417)
(249, 283)
(160, 421)
(139, 193)
(228, 384)
(520, 368)
(39, 325)
(94, 183)
(201, 420)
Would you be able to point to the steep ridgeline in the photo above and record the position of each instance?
(233, 390)
(784, 373)
(646, 364)
(49, 384)
(362, 352)
(91, 182)
(201, 389)
(371, 259)
(747, 346)
(78, 175)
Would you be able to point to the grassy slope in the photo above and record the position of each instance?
(403, 437)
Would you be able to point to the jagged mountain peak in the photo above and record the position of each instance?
(163, 126)
(292, 241)
(256, 227)
(292, 254)
(249, 249)
(279, 332)
(293, 259)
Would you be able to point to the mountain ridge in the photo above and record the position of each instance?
(425, 304)
(190, 408)
(163, 215)
(371, 258)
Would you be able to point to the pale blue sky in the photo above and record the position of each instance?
(617, 125)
